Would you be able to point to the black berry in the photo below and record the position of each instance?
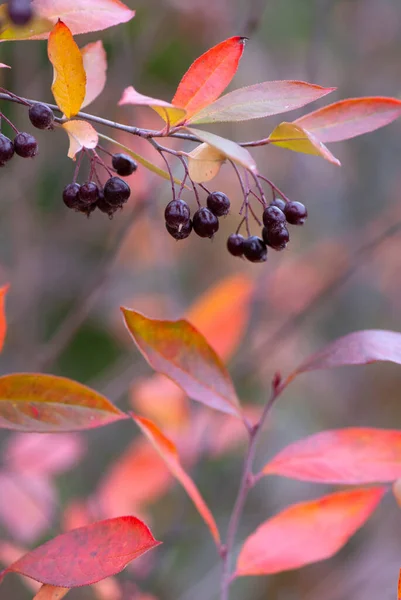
(20, 11)
(205, 223)
(70, 195)
(218, 203)
(273, 215)
(181, 232)
(6, 149)
(235, 244)
(104, 206)
(116, 191)
(177, 213)
(255, 249)
(276, 237)
(296, 213)
(123, 164)
(41, 116)
(25, 145)
(279, 203)
(88, 194)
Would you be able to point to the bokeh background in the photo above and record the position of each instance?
(69, 275)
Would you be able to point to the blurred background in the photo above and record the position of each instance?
(69, 275)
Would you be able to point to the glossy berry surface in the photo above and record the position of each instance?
(276, 237)
(177, 213)
(41, 116)
(205, 223)
(88, 194)
(116, 191)
(181, 232)
(6, 149)
(25, 145)
(218, 203)
(279, 203)
(20, 11)
(273, 215)
(296, 213)
(255, 249)
(235, 244)
(104, 206)
(123, 164)
(70, 195)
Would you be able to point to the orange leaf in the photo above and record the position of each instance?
(293, 137)
(50, 592)
(178, 350)
(69, 80)
(169, 113)
(3, 322)
(399, 587)
(46, 403)
(168, 452)
(209, 75)
(95, 65)
(81, 134)
(355, 455)
(307, 532)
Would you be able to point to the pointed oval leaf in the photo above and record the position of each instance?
(307, 532)
(349, 456)
(81, 134)
(168, 452)
(294, 137)
(50, 592)
(178, 350)
(3, 322)
(209, 75)
(260, 100)
(169, 113)
(47, 403)
(95, 65)
(349, 118)
(204, 163)
(88, 554)
(228, 148)
(69, 80)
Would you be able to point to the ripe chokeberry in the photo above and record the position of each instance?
(25, 145)
(116, 191)
(104, 206)
(255, 249)
(88, 194)
(123, 164)
(70, 195)
(177, 213)
(218, 203)
(20, 11)
(295, 213)
(205, 223)
(276, 237)
(235, 244)
(41, 116)
(273, 215)
(6, 149)
(181, 232)
(279, 203)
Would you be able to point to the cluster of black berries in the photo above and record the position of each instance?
(20, 12)
(205, 221)
(275, 234)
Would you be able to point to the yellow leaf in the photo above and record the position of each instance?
(81, 134)
(204, 163)
(294, 137)
(69, 82)
(50, 592)
(8, 31)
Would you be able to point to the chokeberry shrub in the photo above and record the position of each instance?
(102, 534)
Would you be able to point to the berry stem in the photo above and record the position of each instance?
(273, 186)
(78, 165)
(3, 116)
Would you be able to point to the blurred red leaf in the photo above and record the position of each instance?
(88, 554)
(9, 553)
(50, 592)
(95, 65)
(355, 455)
(169, 113)
(47, 403)
(349, 118)
(293, 137)
(399, 587)
(178, 350)
(230, 149)
(209, 75)
(168, 452)
(3, 322)
(260, 100)
(307, 532)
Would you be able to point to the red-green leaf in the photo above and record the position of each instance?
(168, 452)
(46, 403)
(3, 322)
(260, 100)
(349, 118)
(88, 554)
(307, 532)
(95, 65)
(228, 148)
(209, 75)
(178, 350)
(169, 113)
(350, 456)
(294, 137)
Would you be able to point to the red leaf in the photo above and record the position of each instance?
(260, 100)
(209, 75)
(399, 587)
(95, 65)
(307, 532)
(169, 113)
(178, 350)
(88, 554)
(355, 455)
(294, 137)
(3, 322)
(352, 117)
(168, 452)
